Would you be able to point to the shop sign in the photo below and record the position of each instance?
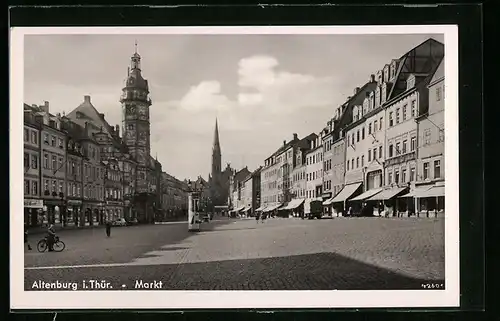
(33, 203)
(74, 202)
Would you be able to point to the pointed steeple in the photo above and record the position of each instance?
(216, 135)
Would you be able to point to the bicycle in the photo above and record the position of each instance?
(58, 246)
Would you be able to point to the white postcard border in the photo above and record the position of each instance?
(450, 297)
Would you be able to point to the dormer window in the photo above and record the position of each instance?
(393, 69)
(386, 73)
(380, 78)
(384, 93)
(355, 113)
(372, 100)
(410, 82)
(377, 97)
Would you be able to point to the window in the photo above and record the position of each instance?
(26, 135)
(60, 186)
(438, 93)
(405, 142)
(352, 143)
(374, 154)
(46, 138)
(396, 176)
(357, 136)
(397, 115)
(54, 185)
(403, 175)
(405, 107)
(390, 178)
(347, 165)
(362, 160)
(369, 155)
(380, 151)
(26, 160)
(391, 121)
(441, 135)
(413, 143)
(375, 123)
(413, 108)
(54, 162)
(60, 162)
(398, 150)
(61, 143)
(391, 151)
(363, 133)
(26, 186)
(34, 161)
(369, 128)
(352, 163)
(426, 170)
(46, 185)
(380, 124)
(53, 141)
(437, 169)
(34, 137)
(34, 188)
(427, 137)
(357, 162)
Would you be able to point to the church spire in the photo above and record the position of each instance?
(216, 135)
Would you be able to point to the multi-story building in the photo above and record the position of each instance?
(299, 182)
(250, 192)
(128, 164)
(174, 196)
(269, 185)
(53, 170)
(33, 204)
(407, 99)
(314, 170)
(113, 190)
(237, 201)
(74, 175)
(430, 179)
(93, 180)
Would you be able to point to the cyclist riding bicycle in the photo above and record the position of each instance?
(51, 237)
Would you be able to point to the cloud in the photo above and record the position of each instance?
(205, 95)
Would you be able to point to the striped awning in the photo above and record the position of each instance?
(345, 193)
(247, 208)
(366, 195)
(416, 191)
(272, 207)
(435, 191)
(293, 204)
(387, 194)
(261, 209)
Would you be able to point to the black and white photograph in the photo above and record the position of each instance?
(243, 167)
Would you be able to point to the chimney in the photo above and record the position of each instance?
(295, 137)
(101, 115)
(117, 130)
(86, 98)
(356, 90)
(45, 106)
(372, 78)
(284, 142)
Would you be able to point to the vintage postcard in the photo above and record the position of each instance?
(234, 167)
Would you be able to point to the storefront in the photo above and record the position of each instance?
(74, 212)
(113, 211)
(93, 213)
(54, 212)
(33, 212)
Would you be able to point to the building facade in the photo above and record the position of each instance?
(430, 179)
(314, 170)
(33, 204)
(113, 190)
(237, 201)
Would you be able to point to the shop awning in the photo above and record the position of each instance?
(435, 191)
(387, 194)
(366, 195)
(261, 209)
(247, 208)
(272, 207)
(345, 193)
(238, 209)
(293, 204)
(416, 191)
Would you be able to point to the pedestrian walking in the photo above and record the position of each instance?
(257, 217)
(264, 216)
(26, 237)
(108, 228)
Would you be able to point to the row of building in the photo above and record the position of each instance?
(79, 170)
(381, 152)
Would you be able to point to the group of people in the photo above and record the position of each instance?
(51, 236)
(260, 216)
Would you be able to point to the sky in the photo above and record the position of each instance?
(261, 88)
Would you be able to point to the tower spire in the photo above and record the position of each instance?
(216, 134)
(135, 45)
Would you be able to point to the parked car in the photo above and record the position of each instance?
(120, 222)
